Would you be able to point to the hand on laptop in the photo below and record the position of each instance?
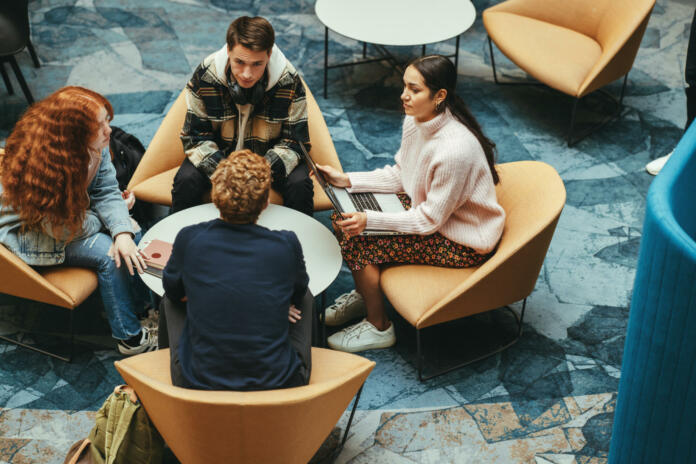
(334, 176)
(354, 223)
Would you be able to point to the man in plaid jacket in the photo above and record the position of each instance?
(245, 95)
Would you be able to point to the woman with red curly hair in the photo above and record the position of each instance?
(60, 204)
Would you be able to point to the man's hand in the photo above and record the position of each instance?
(294, 314)
(125, 248)
(354, 223)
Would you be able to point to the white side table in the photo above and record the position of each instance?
(321, 251)
(393, 22)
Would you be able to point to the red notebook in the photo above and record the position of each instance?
(158, 253)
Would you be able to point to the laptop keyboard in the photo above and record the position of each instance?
(365, 201)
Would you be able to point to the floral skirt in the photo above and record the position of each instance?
(434, 249)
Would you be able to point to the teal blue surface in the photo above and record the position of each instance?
(655, 420)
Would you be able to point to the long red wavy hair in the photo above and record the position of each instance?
(44, 169)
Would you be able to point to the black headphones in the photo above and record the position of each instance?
(254, 95)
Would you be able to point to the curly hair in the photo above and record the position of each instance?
(44, 170)
(241, 185)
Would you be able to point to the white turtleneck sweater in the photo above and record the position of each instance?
(443, 168)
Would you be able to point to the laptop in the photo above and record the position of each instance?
(346, 202)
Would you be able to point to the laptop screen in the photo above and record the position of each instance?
(320, 178)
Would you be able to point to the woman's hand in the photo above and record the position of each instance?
(354, 223)
(124, 248)
(334, 176)
(294, 314)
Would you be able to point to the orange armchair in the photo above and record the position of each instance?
(153, 179)
(275, 426)
(573, 46)
(532, 195)
(61, 286)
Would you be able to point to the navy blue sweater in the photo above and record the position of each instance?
(239, 280)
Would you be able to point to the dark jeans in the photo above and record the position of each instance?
(190, 185)
(690, 75)
(171, 324)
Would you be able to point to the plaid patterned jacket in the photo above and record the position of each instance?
(210, 130)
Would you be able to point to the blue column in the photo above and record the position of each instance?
(655, 419)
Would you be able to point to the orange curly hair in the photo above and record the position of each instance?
(240, 186)
(44, 169)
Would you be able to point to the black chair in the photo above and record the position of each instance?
(14, 37)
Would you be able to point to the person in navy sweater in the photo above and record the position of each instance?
(243, 289)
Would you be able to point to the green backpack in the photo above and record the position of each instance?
(123, 434)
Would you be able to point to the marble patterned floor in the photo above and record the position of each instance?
(548, 399)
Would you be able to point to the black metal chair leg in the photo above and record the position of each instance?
(339, 448)
(456, 54)
(519, 328)
(20, 78)
(326, 61)
(623, 90)
(490, 49)
(322, 312)
(572, 120)
(616, 113)
(32, 52)
(71, 349)
(72, 336)
(6, 78)
(420, 356)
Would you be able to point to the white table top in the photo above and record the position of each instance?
(321, 251)
(397, 22)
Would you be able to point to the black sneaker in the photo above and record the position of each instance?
(148, 342)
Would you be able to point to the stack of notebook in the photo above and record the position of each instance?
(158, 253)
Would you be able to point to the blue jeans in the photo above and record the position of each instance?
(123, 295)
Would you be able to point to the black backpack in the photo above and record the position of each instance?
(126, 152)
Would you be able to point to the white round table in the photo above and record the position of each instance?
(393, 22)
(321, 251)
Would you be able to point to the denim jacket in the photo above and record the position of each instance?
(107, 211)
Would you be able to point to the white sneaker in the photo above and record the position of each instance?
(148, 342)
(656, 165)
(362, 336)
(346, 307)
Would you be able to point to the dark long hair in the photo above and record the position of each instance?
(439, 73)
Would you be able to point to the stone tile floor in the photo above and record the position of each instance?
(548, 399)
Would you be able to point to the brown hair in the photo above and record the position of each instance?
(439, 73)
(254, 33)
(44, 170)
(241, 185)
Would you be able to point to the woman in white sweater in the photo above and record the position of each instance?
(445, 166)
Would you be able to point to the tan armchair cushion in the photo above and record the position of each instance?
(559, 57)
(62, 286)
(283, 426)
(581, 16)
(76, 282)
(532, 195)
(156, 189)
